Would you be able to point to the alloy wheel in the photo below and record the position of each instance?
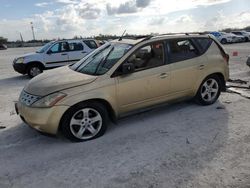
(86, 123)
(209, 90)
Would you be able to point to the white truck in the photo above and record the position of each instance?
(54, 54)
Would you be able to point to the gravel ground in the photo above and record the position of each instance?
(180, 145)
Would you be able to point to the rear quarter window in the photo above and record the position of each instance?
(181, 50)
(91, 44)
(203, 44)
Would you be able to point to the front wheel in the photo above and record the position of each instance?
(34, 70)
(84, 121)
(209, 90)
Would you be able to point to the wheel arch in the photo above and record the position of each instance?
(111, 113)
(219, 75)
(35, 63)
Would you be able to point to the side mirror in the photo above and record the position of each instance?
(128, 68)
(49, 52)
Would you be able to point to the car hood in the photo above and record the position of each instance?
(56, 80)
(27, 55)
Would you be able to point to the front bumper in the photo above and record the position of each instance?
(45, 120)
(20, 67)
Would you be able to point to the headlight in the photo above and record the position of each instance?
(49, 100)
(20, 60)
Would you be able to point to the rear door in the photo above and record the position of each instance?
(89, 45)
(184, 64)
(57, 55)
(76, 51)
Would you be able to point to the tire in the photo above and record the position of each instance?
(209, 90)
(33, 70)
(223, 41)
(76, 122)
(246, 39)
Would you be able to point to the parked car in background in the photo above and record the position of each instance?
(245, 34)
(54, 54)
(121, 77)
(3, 47)
(224, 38)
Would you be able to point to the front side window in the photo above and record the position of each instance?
(102, 59)
(55, 48)
(45, 47)
(148, 56)
(59, 47)
(181, 50)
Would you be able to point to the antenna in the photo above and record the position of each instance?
(122, 35)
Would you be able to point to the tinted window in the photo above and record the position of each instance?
(91, 44)
(75, 46)
(203, 43)
(148, 56)
(181, 50)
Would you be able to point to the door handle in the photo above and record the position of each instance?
(84, 52)
(64, 54)
(163, 75)
(201, 67)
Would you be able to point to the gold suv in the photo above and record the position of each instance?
(121, 77)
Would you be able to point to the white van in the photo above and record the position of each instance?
(54, 54)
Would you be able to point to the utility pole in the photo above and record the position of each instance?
(21, 36)
(32, 28)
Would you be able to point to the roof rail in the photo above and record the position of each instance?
(191, 33)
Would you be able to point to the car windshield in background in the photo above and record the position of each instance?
(102, 59)
(44, 48)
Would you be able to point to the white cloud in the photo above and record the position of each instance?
(90, 17)
(43, 4)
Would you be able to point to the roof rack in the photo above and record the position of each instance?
(147, 37)
(191, 33)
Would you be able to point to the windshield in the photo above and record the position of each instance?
(44, 48)
(102, 59)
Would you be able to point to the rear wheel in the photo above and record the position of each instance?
(209, 90)
(85, 121)
(34, 70)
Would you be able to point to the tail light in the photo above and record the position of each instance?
(226, 57)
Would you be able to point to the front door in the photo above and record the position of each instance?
(150, 82)
(57, 55)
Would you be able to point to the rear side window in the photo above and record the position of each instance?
(91, 44)
(203, 43)
(182, 49)
(75, 46)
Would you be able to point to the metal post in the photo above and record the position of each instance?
(32, 28)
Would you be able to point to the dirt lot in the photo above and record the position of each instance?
(180, 145)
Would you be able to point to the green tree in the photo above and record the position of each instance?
(3, 40)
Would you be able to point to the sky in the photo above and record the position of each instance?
(54, 19)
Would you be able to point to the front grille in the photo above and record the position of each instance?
(27, 98)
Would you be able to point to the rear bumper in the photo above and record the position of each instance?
(45, 120)
(20, 68)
